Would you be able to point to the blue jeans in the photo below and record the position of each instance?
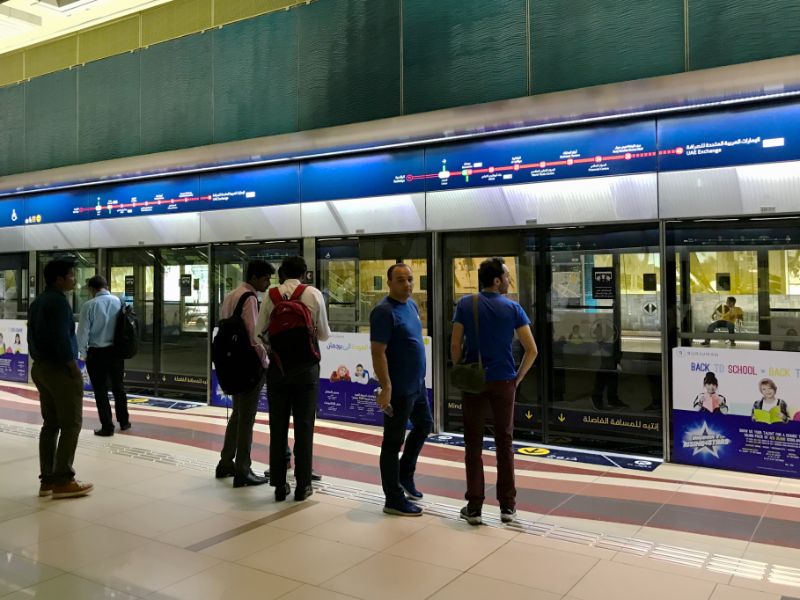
(406, 408)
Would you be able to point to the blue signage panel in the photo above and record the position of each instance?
(618, 150)
(55, 207)
(252, 187)
(363, 176)
(149, 197)
(726, 139)
(12, 212)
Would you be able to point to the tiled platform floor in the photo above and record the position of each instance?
(158, 525)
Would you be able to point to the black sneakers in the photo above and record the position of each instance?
(471, 515)
(508, 515)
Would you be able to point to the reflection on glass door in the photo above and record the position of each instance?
(462, 256)
(352, 276)
(784, 298)
(85, 267)
(184, 317)
(132, 276)
(736, 289)
(14, 286)
(604, 315)
(230, 265)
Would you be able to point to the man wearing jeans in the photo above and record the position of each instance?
(398, 358)
(54, 350)
(498, 320)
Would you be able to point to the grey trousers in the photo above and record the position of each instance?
(239, 432)
(61, 400)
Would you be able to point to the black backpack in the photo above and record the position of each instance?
(237, 363)
(126, 332)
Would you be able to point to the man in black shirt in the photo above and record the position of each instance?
(54, 350)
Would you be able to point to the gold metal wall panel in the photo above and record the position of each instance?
(115, 38)
(174, 20)
(12, 68)
(228, 11)
(51, 57)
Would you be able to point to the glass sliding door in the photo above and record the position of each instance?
(605, 338)
(462, 255)
(183, 363)
(132, 276)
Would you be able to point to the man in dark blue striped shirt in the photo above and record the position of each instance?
(54, 350)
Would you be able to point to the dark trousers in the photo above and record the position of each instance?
(61, 400)
(104, 366)
(730, 326)
(239, 432)
(414, 408)
(498, 397)
(292, 395)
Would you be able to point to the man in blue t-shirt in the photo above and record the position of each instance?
(498, 320)
(398, 358)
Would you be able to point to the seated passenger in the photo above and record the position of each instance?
(726, 316)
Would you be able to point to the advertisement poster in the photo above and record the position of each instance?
(737, 409)
(13, 350)
(347, 383)
(347, 380)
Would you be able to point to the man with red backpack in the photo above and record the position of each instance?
(293, 320)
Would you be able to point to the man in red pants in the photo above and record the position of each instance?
(498, 320)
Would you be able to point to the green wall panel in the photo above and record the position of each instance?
(584, 42)
(176, 94)
(457, 52)
(724, 32)
(51, 113)
(109, 115)
(12, 129)
(255, 77)
(349, 61)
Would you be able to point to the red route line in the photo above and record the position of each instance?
(145, 203)
(544, 164)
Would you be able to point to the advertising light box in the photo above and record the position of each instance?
(618, 150)
(363, 176)
(728, 139)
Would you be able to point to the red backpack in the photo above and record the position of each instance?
(292, 333)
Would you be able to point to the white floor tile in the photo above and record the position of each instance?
(456, 549)
(83, 547)
(18, 572)
(155, 518)
(69, 587)
(147, 569)
(603, 582)
(307, 559)
(391, 578)
(227, 580)
(38, 527)
(248, 543)
(469, 587)
(540, 568)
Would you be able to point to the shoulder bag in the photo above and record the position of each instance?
(470, 377)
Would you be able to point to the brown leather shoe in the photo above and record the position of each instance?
(45, 489)
(73, 489)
